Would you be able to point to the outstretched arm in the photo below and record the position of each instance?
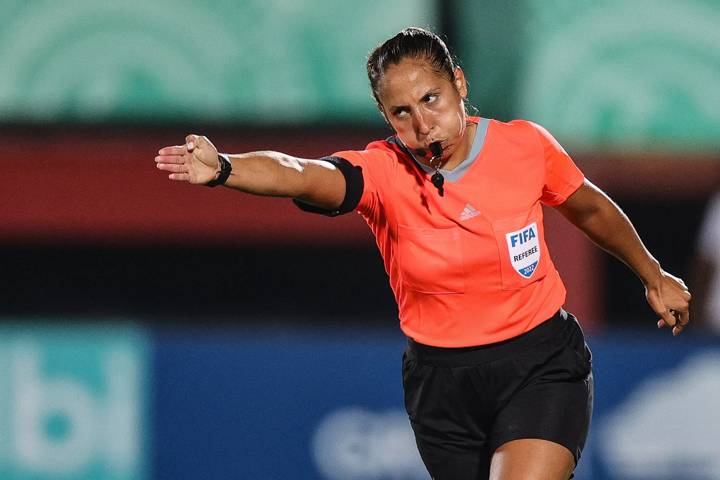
(593, 212)
(261, 173)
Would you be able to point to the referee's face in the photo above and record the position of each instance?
(423, 106)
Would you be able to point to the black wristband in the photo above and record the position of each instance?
(225, 169)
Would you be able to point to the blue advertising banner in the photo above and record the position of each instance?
(279, 403)
(266, 404)
(656, 414)
(108, 401)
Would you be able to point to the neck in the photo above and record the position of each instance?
(462, 150)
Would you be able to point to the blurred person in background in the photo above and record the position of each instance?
(706, 275)
(497, 376)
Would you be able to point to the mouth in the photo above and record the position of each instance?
(435, 149)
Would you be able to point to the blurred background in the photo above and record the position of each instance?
(152, 329)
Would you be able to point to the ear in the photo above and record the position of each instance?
(460, 82)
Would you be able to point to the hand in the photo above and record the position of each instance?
(670, 299)
(195, 162)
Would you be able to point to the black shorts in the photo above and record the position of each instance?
(464, 403)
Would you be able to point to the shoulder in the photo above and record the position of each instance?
(378, 163)
(521, 126)
(384, 149)
(519, 129)
(518, 133)
(535, 132)
(377, 153)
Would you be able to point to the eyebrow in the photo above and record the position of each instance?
(395, 108)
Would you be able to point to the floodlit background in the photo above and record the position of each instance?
(154, 330)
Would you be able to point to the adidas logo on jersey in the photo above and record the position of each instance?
(468, 212)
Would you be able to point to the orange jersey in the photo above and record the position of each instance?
(470, 267)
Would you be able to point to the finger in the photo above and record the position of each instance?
(668, 318)
(172, 167)
(169, 159)
(184, 177)
(660, 308)
(684, 317)
(173, 150)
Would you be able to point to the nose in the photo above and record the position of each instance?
(422, 127)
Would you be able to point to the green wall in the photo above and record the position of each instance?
(607, 73)
(266, 61)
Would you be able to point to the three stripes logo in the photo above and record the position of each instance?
(468, 212)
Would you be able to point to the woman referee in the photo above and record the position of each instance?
(497, 376)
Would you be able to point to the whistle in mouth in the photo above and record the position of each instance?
(436, 149)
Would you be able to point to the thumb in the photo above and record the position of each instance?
(665, 315)
(668, 318)
(661, 310)
(192, 141)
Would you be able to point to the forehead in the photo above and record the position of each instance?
(409, 78)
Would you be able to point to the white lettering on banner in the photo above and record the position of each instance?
(356, 444)
(35, 400)
(524, 249)
(71, 418)
(668, 427)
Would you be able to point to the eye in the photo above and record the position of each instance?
(400, 112)
(429, 97)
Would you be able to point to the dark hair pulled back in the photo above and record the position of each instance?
(412, 42)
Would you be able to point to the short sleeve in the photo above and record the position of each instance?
(375, 164)
(562, 176)
(363, 171)
(354, 185)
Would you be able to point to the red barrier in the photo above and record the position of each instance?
(92, 185)
(99, 185)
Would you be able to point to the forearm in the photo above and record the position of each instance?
(276, 174)
(316, 182)
(602, 220)
(266, 173)
(612, 231)
(604, 223)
